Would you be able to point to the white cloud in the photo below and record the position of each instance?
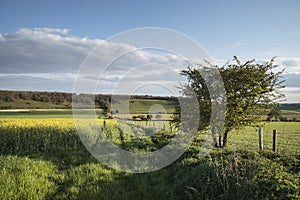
(42, 51)
(36, 58)
(2, 39)
(48, 59)
(49, 76)
(52, 30)
(292, 94)
(292, 65)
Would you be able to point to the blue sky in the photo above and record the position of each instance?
(36, 33)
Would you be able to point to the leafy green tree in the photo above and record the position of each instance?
(276, 113)
(252, 90)
(134, 118)
(149, 117)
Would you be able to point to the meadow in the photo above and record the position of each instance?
(45, 159)
(287, 137)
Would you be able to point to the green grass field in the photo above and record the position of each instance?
(292, 115)
(142, 106)
(28, 104)
(45, 159)
(288, 137)
(40, 113)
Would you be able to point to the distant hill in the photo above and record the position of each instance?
(290, 106)
(63, 100)
(45, 100)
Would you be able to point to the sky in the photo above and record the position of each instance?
(43, 44)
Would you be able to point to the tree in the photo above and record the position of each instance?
(276, 113)
(252, 90)
(149, 117)
(134, 118)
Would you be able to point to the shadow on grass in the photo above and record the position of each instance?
(222, 174)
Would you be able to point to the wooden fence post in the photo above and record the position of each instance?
(274, 140)
(104, 124)
(171, 128)
(121, 137)
(260, 134)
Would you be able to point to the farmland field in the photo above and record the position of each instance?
(288, 137)
(139, 106)
(45, 159)
(39, 113)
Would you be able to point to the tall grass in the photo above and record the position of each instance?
(24, 178)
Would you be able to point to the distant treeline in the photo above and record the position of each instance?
(57, 98)
(290, 106)
(64, 99)
(102, 101)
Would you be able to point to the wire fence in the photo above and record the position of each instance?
(287, 139)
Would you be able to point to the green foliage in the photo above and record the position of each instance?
(274, 113)
(242, 175)
(47, 100)
(252, 90)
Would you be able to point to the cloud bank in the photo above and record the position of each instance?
(47, 59)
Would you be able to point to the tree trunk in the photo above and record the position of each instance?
(220, 141)
(225, 139)
(215, 141)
